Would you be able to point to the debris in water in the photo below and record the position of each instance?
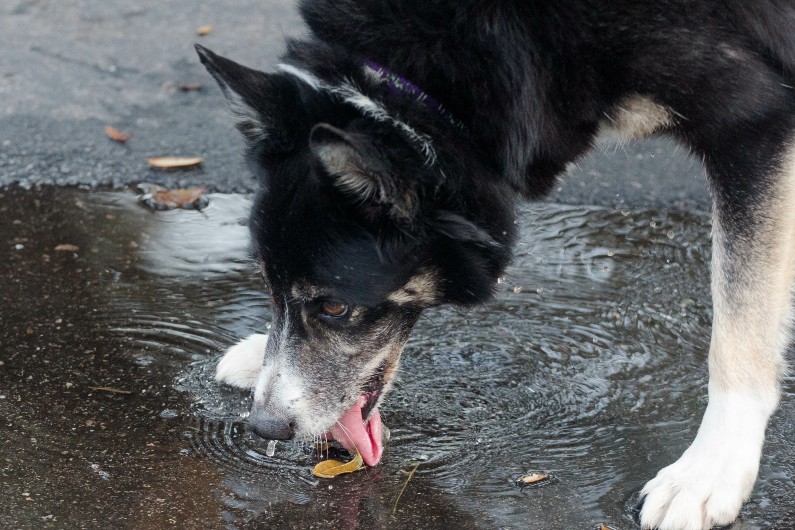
(175, 162)
(157, 198)
(66, 247)
(411, 474)
(109, 389)
(116, 135)
(533, 478)
(332, 468)
(206, 29)
(271, 450)
(190, 87)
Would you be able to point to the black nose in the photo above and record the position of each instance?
(273, 428)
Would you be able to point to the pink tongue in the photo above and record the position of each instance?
(356, 434)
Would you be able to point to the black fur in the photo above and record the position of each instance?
(355, 203)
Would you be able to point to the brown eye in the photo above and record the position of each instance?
(334, 309)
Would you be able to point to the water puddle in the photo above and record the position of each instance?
(589, 365)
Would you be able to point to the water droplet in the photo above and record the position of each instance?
(271, 450)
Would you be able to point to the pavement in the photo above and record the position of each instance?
(69, 68)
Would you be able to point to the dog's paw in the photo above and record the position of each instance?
(697, 492)
(241, 364)
(707, 486)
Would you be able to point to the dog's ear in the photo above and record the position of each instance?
(357, 168)
(457, 228)
(259, 101)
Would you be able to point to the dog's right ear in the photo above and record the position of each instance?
(258, 100)
(357, 168)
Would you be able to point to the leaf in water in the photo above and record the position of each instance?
(66, 247)
(533, 478)
(189, 87)
(332, 468)
(206, 29)
(159, 199)
(116, 135)
(175, 162)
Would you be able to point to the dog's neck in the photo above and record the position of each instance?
(399, 85)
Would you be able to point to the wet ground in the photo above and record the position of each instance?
(589, 365)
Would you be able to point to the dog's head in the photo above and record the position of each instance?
(355, 234)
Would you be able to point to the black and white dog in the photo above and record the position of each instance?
(391, 147)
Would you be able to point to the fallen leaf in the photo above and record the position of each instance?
(159, 199)
(533, 478)
(66, 247)
(187, 87)
(174, 162)
(332, 468)
(206, 29)
(116, 135)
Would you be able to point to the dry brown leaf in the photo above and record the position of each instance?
(175, 162)
(332, 468)
(170, 199)
(116, 135)
(66, 247)
(188, 87)
(206, 29)
(533, 478)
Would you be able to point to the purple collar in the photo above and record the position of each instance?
(398, 84)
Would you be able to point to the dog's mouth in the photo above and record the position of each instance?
(360, 428)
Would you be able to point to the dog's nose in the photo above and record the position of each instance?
(273, 428)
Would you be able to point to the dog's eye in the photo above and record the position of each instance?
(332, 308)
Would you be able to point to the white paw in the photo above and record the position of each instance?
(709, 483)
(241, 364)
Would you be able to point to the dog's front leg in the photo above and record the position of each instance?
(242, 363)
(753, 259)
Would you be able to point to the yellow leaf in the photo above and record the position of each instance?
(332, 468)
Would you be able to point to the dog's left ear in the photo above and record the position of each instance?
(359, 170)
(460, 229)
(266, 106)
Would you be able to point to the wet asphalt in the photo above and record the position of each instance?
(68, 69)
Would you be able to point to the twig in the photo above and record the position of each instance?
(394, 508)
(109, 389)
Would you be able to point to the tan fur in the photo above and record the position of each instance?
(752, 314)
(635, 117)
(423, 289)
